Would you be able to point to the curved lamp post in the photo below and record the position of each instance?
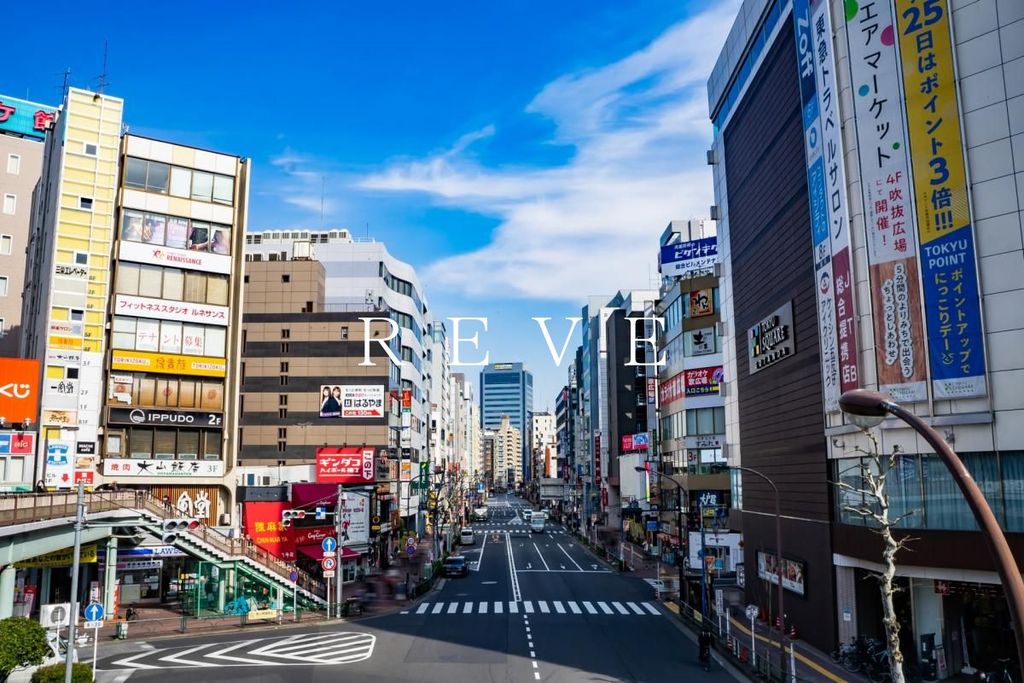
(867, 409)
(679, 525)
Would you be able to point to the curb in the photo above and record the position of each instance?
(726, 665)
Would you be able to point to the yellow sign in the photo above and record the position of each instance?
(168, 363)
(59, 342)
(262, 614)
(936, 152)
(60, 558)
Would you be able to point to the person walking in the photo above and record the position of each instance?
(704, 644)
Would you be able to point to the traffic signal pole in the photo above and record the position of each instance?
(339, 576)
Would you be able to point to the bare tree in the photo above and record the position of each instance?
(874, 471)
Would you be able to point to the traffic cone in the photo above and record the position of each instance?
(778, 623)
(792, 631)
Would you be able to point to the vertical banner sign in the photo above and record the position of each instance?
(835, 193)
(888, 212)
(952, 304)
(817, 198)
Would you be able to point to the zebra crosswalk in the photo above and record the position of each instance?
(553, 607)
(505, 530)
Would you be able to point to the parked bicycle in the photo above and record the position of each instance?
(847, 655)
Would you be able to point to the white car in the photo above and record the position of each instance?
(466, 537)
(527, 514)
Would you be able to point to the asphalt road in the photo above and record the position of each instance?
(535, 607)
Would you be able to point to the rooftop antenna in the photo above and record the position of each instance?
(323, 189)
(103, 76)
(64, 84)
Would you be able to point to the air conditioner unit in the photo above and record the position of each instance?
(55, 616)
(712, 157)
(225, 519)
(714, 212)
(720, 328)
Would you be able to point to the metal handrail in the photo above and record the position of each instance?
(25, 508)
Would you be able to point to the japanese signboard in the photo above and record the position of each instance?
(178, 258)
(635, 442)
(19, 389)
(702, 341)
(703, 381)
(264, 527)
(144, 307)
(60, 558)
(149, 416)
(672, 389)
(24, 118)
(191, 501)
(771, 340)
(122, 467)
(948, 271)
(145, 361)
(352, 400)
(345, 465)
(60, 465)
(355, 519)
(702, 303)
(686, 259)
(825, 183)
(888, 215)
(17, 443)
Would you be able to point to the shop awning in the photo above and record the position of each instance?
(315, 552)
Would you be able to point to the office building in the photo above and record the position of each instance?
(863, 288)
(506, 390)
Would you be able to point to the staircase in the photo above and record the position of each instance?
(20, 509)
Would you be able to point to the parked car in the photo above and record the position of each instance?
(456, 566)
(466, 537)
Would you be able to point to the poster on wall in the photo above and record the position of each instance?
(792, 575)
(686, 259)
(948, 271)
(704, 381)
(355, 518)
(351, 400)
(60, 465)
(263, 526)
(886, 195)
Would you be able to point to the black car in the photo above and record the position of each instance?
(456, 566)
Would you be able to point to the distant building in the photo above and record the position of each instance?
(506, 390)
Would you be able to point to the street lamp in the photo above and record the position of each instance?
(867, 409)
(679, 524)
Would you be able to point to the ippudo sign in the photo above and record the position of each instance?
(345, 465)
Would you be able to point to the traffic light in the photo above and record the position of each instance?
(289, 516)
(170, 528)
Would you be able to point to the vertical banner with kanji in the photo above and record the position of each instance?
(826, 187)
(888, 212)
(949, 274)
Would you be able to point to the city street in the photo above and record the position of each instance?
(534, 607)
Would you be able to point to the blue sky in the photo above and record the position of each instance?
(520, 155)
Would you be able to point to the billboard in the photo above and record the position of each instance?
(24, 118)
(19, 389)
(17, 443)
(177, 258)
(263, 527)
(826, 183)
(60, 465)
(184, 311)
(686, 259)
(771, 339)
(702, 302)
(703, 381)
(345, 465)
(951, 297)
(635, 442)
(355, 518)
(886, 194)
(171, 363)
(792, 575)
(124, 467)
(352, 400)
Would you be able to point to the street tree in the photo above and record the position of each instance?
(875, 507)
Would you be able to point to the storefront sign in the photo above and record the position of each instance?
(177, 258)
(85, 477)
(180, 418)
(55, 357)
(60, 468)
(139, 565)
(355, 515)
(652, 390)
(263, 526)
(949, 274)
(17, 443)
(685, 259)
(123, 467)
(144, 307)
(793, 573)
(406, 400)
(191, 501)
(672, 389)
(345, 465)
(702, 303)
(143, 361)
(702, 341)
(405, 470)
(311, 535)
(60, 558)
(85, 448)
(636, 442)
(886, 194)
(71, 271)
(703, 381)
(64, 327)
(771, 340)
(705, 441)
(25, 118)
(150, 551)
(19, 389)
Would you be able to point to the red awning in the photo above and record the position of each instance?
(316, 552)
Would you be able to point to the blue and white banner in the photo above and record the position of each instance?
(684, 259)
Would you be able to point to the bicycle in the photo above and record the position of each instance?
(847, 656)
(1003, 676)
(239, 605)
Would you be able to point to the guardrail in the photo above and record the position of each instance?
(25, 508)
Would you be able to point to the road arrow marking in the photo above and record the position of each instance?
(177, 659)
(219, 654)
(135, 665)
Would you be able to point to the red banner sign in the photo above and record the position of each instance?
(263, 526)
(346, 465)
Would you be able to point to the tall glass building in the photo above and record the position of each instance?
(507, 389)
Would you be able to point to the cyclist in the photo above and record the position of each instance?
(704, 645)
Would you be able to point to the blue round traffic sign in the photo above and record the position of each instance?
(329, 544)
(411, 549)
(94, 611)
(293, 576)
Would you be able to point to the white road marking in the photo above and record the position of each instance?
(483, 608)
(570, 557)
(620, 608)
(541, 557)
(513, 607)
(543, 606)
(651, 608)
(438, 606)
(529, 607)
(589, 607)
(467, 608)
(558, 607)
(177, 658)
(605, 608)
(516, 595)
(499, 608)
(633, 606)
(453, 608)
(423, 608)
(574, 607)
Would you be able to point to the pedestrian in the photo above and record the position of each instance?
(705, 648)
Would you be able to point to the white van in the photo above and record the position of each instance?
(466, 537)
(537, 523)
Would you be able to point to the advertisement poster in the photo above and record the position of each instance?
(345, 465)
(703, 381)
(948, 272)
(686, 259)
(888, 220)
(263, 526)
(60, 465)
(792, 577)
(351, 400)
(355, 519)
(19, 389)
(702, 303)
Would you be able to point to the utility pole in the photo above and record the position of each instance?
(69, 655)
(340, 575)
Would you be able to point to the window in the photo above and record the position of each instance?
(6, 244)
(89, 149)
(140, 442)
(705, 421)
(282, 399)
(286, 334)
(175, 232)
(223, 189)
(135, 173)
(3, 285)
(211, 448)
(10, 203)
(282, 413)
(286, 278)
(76, 315)
(284, 367)
(151, 281)
(2, 328)
(81, 258)
(181, 181)
(344, 332)
(217, 290)
(174, 284)
(85, 203)
(14, 164)
(284, 347)
(146, 175)
(284, 380)
(282, 433)
(202, 186)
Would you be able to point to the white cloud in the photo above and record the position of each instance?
(308, 190)
(638, 128)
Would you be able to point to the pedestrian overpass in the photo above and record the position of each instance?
(36, 524)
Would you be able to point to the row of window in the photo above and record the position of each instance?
(313, 237)
(175, 232)
(155, 176)
(160, 391)
(693, 422)
(166, 444)
(167, 336)
(156, 282)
